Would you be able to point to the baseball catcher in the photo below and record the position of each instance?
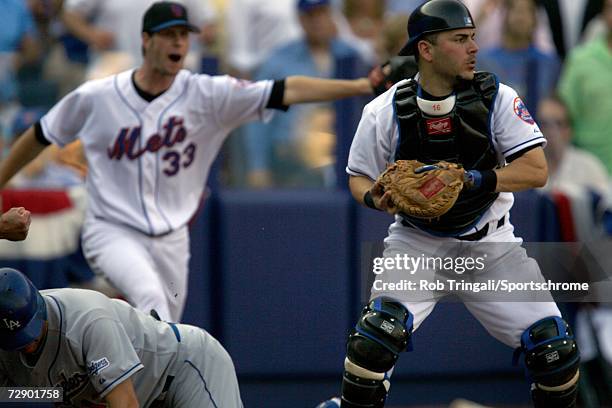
(449, 113)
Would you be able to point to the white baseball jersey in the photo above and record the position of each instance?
(148, 161)
(512, 130)
(94, 343)
(376, 138)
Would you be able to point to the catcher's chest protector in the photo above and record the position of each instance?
(460, 136)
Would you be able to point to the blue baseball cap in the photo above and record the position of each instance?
(307, 5)
(165, 14)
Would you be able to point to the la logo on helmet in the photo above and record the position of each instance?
(11, 324)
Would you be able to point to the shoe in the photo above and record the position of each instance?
(330, 403)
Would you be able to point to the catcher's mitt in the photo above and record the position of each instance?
(422, 191)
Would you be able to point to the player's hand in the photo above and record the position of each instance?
(14, 224)
(391, 72)
(382, 199)
(378, 78)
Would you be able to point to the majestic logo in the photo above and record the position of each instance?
(521, 111)
(127, 141)
(10, 324)
(96, 366)
(439, 126)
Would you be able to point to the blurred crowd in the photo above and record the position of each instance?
(557, 50)
(557, 54)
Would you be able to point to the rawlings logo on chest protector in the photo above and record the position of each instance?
(439, 126)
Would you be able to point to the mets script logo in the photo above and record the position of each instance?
(130, 145)
(521, 111)
(439, 126)
(10, 324)
(96, 366)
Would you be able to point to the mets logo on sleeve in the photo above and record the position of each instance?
(521, 111)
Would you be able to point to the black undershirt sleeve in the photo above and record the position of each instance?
(276, 96)
(40, 136)
(518, 154)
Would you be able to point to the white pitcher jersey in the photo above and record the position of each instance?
(511, 127)
(148, 161)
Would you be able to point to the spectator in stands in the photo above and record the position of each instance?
(392, 37)
(271, 154)
(255, 28)
(517, 61)
(365, 17)
(18, 47)
(360, 24)
(110, 29)
(63, 65)
(402, 6)
(44, 13)
(595, 28)
(489, 16)
(569, 167)
(569, 21)
(576, 173)
(585, 87)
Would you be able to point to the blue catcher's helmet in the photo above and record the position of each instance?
(435, 16)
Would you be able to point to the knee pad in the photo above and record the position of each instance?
(373, 347)
(551, 359)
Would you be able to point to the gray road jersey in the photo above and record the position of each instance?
(93, 344)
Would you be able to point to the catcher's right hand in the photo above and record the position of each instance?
(397, 68)
(382, 200)
(419, 190)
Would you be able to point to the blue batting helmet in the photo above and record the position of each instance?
(22, 310)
